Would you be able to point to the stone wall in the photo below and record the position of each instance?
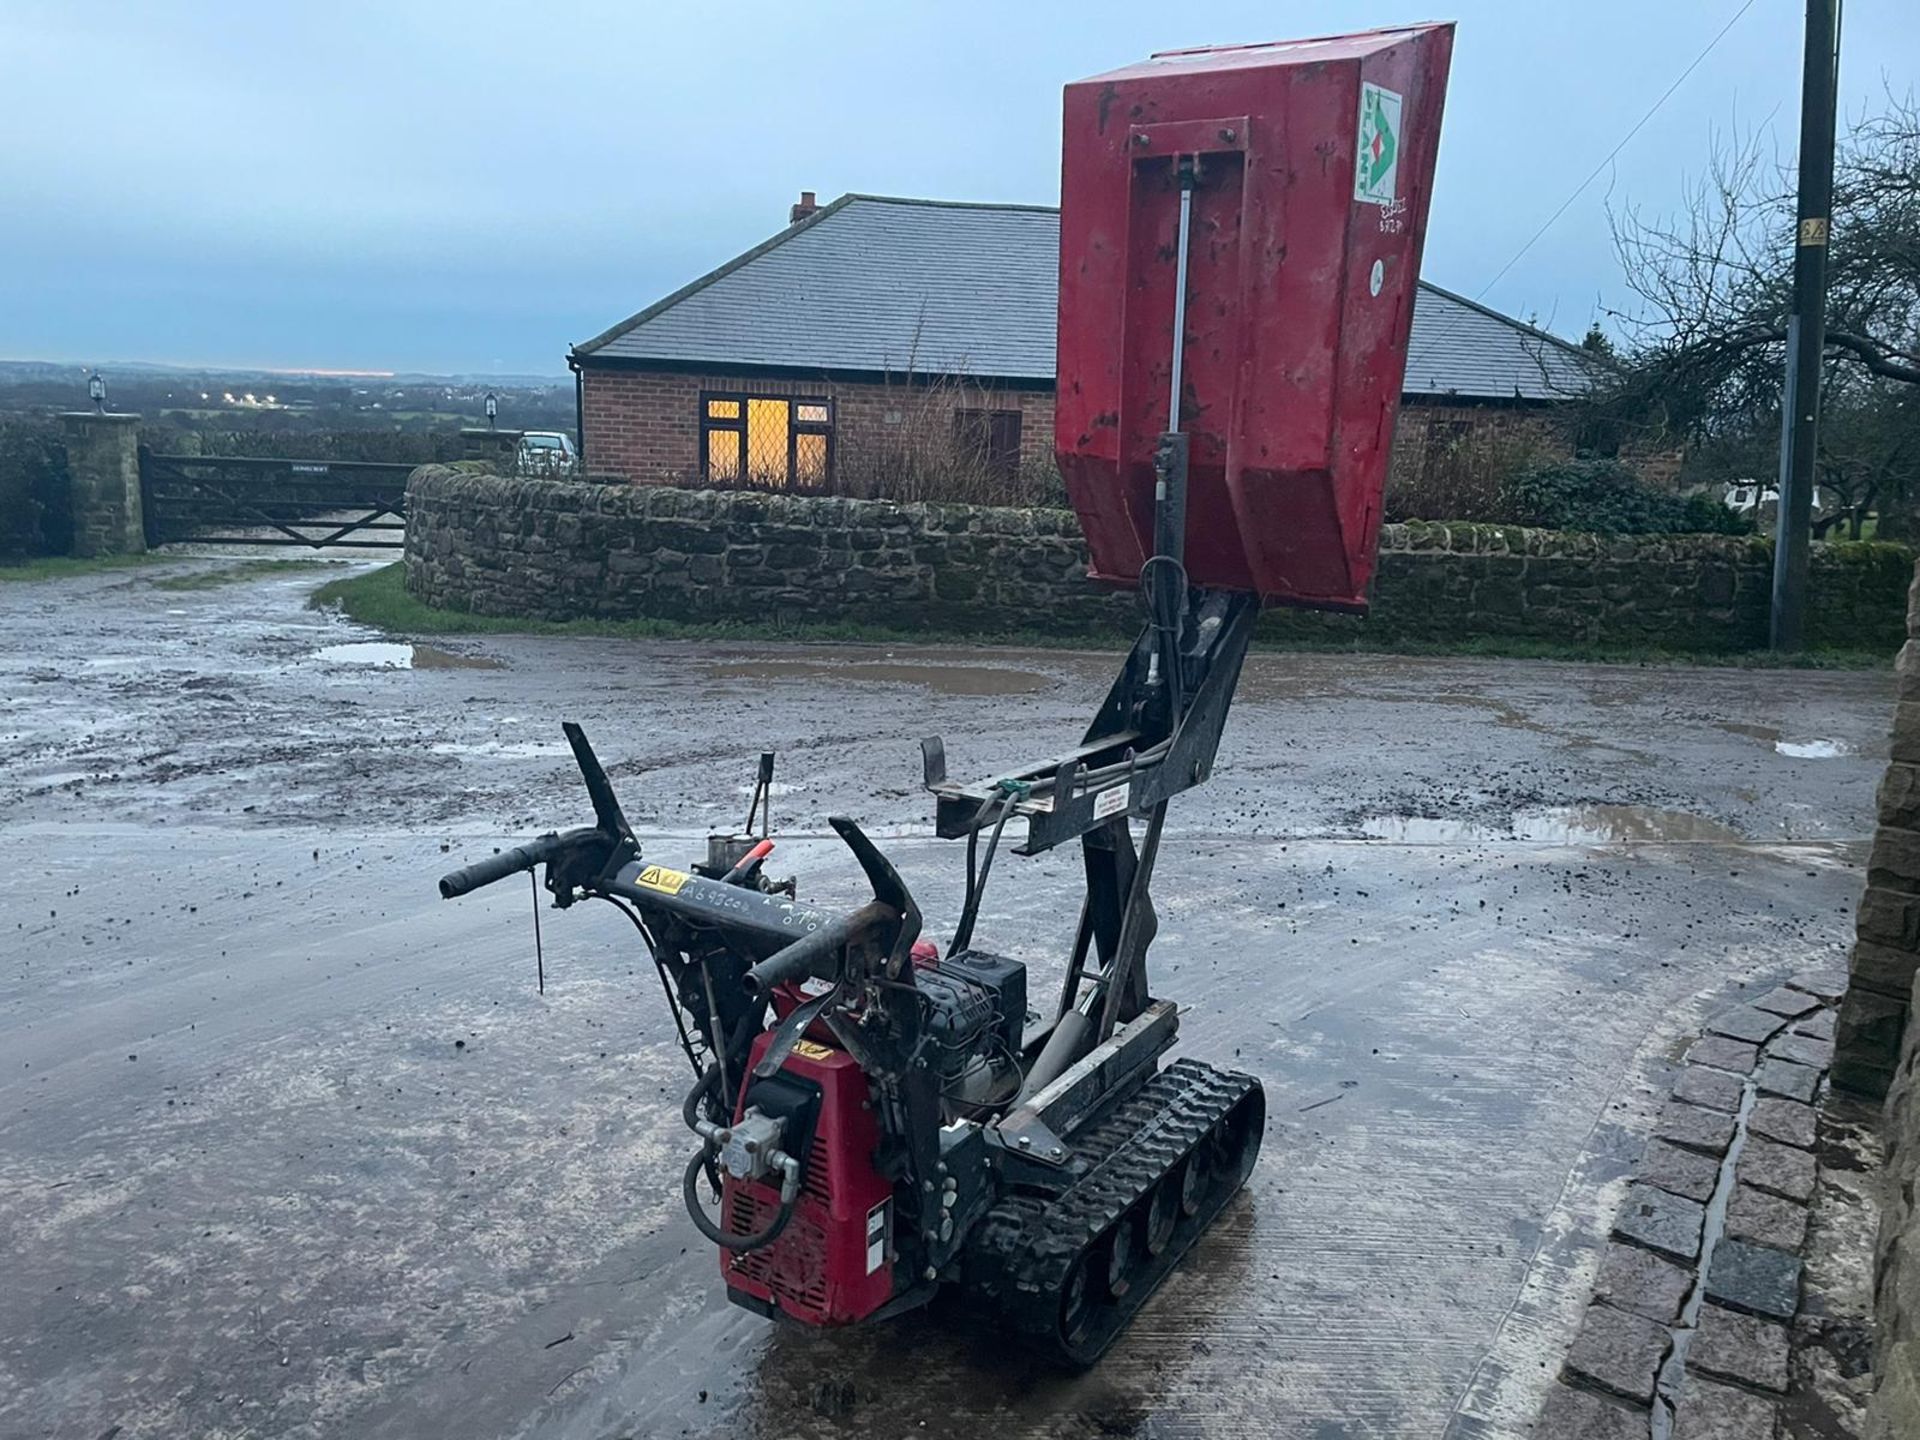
(556, 551)
(1877, 1049)
(1886, 951)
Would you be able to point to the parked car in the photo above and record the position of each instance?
(1751, 495)
(546, 452)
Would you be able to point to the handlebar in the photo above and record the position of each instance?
(808, 955)
(469, 878)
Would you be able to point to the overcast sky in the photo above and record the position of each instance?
(406, 185)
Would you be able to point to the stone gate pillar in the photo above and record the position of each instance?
(498, 446)
(103, 470)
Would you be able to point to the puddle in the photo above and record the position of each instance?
(1813, 749)
(1560, 825)
(386, 655)
(942, 679)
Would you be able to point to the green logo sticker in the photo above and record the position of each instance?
(1376, 165)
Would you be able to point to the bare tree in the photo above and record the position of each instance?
(1704, 357)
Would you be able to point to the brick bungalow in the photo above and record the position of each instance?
(873, 323)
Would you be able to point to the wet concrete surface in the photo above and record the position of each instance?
(288, 1146)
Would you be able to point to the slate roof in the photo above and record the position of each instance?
(873, 283)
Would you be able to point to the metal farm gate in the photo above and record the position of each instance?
(250, 500)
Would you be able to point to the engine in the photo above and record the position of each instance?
(976, 1013)
(833, 1264)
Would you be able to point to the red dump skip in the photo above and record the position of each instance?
(1315, 164)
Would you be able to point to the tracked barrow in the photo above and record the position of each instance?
(875, 1117)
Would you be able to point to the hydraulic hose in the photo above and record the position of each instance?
(690, 1107)
(739, 1244)
(702, 1163)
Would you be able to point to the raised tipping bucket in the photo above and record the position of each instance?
(1312, 162)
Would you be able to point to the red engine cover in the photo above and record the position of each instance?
(1316, 161)
(831, 1264)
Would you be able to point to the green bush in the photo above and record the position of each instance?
(34, 514)
(1605, 497)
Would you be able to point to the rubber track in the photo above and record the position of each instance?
(1026, 1245)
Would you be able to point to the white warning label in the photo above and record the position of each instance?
(1376, 169)
(877, 1236)
(1111, 802)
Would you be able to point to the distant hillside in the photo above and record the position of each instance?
(211, 400)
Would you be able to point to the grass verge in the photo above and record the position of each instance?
(234, 574)
(58, 567)
(379, 598)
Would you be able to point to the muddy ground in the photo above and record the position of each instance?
(288, 1146)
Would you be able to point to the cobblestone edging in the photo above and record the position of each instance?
(558, 550)
(1687, 1336)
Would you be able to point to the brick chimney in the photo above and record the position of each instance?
(802, 210)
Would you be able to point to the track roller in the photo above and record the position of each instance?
(1071, 1270)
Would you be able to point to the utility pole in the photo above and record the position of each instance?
(1807, 328)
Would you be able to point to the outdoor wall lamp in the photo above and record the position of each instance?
(493, 409)
(97, 392)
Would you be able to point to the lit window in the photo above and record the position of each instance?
(769, 431)
(810, 459)
(723, 454)
(770, 440)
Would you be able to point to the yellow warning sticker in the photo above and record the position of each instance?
(659, 877)
(811, 1050)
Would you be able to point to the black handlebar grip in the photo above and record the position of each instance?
(496, 867)
(798, 960)
(818, 952)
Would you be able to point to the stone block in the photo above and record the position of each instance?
(1571, 1414)
(1755, 1279)
(1783, 1001)
(1766, 1219)
(1669, 1224)
(1707, 1131)
(1889, 917)
(1715, 1089)
(1744, 1348)
(1889, 969)
(1802, 1050)
(1787, 1121)
(1775, 1168)
(1899, 797)
(1867, 1041)
(1638, 1280)
(1679, 1172)
(1829, 985)
(1711, 1411)
(1783, 1077)
(1894, 861)
(1904, 745)
(1723, 1054)
(1743, 1022)
(1818, 1026)
(1619, 1352)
